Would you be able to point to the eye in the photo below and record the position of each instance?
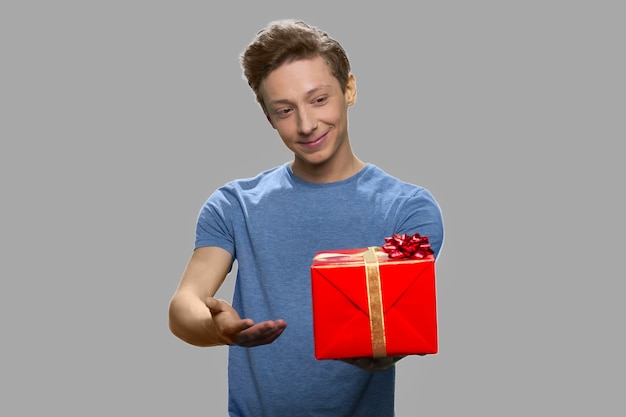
(283, 112)
(320, 100)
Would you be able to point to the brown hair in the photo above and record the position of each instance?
(290, 40)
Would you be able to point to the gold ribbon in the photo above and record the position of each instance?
(375, 303)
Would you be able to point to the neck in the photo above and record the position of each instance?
(330, 171)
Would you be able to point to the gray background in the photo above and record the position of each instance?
(119, 118)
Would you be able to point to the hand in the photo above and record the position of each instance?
(374, 364)
(242, 332)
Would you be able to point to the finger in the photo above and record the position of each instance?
(261, 334)
(259, 338)
(270, 336)
(246, 324)
(248, 342)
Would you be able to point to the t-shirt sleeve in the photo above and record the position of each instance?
(214, 226)
(422, 214)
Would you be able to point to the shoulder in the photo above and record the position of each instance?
(377, 177)
(266, 180)
(230, 203)
(409, 197)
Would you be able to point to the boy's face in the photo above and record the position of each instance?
(305, 104)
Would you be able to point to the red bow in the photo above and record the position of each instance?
(404, 246)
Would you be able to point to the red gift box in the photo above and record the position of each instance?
(367, 304)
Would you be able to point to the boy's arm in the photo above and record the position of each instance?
(198, 318)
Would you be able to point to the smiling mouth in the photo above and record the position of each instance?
(316, 142)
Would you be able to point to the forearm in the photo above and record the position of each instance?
(190, 320)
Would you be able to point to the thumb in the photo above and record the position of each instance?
(214, 304)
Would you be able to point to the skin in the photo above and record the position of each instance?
(200, 319)
(304, 103)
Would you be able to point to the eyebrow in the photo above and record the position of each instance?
(309, 93)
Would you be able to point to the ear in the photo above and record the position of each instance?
(350, 93)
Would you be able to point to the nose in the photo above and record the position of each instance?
(306, 122)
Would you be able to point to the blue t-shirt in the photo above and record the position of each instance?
(273, 224)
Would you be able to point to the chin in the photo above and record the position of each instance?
(319, 161)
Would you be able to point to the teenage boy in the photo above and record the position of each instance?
(273, 224)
